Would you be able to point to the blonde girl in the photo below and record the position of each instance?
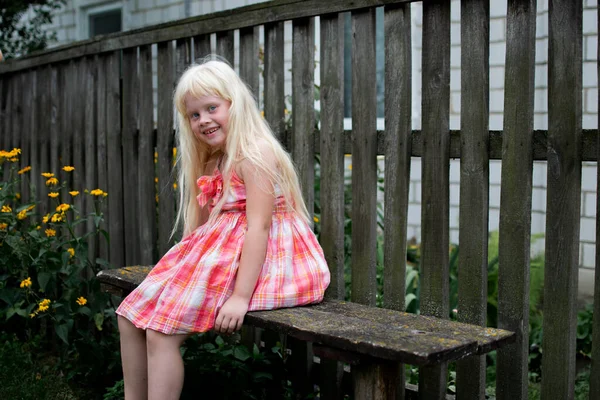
(247, 243)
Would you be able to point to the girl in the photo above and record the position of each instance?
(247, 243)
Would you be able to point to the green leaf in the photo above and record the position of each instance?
(99, 320)
(85, 311)
(241, 353)
(43, 279)
(62, 331)
(219, 341)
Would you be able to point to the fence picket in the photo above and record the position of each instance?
(146, 194)
(515, 203)
(273, 78)
(101, 141)
(249, 58)
(130, 153)
(164, 145)
(474, 187)
(563, 198)
(364, 177)
(331, 183)
(114, 216)
(435, 179)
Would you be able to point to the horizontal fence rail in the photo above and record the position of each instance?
(105, 106)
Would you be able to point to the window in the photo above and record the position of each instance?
(104, 22)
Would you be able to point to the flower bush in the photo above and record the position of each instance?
(47, 290)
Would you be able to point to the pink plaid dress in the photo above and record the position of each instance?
(185, 290)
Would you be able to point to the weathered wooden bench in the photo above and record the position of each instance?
(359, 335)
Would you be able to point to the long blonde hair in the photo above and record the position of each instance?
(245, 130)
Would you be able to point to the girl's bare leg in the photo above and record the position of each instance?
(133, 358)
(165, 365)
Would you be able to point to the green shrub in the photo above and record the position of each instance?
(46, 285)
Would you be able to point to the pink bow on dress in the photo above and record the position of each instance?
(210, 186)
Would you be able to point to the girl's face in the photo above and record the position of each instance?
(209, 119)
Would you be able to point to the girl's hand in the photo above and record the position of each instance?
(231, 315)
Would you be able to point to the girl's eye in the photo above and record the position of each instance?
(195, 115)
(212, 108)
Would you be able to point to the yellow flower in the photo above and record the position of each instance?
(47, 174)
(44, 305)
(3, 226)
(71, 251)
(57, 218)
(25, 283)
(96, 192)
(6, 209)
(38, 228)
(32, 315)
(63, 207)
(81, 301)
(68, 168)
(316, 219)
(45, 218)
(74, 193)
(52, 181)
(22, 171)
(53, 194)
(30, 208)
(50, 232)
(104, 194)
(22, 215)
(18, 196)
(15, 159)
(175, 186)
(155, 180)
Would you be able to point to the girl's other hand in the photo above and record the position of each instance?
(231, 315)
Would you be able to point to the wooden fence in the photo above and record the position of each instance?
(90, 105)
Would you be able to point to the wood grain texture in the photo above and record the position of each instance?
(258, 14)
(225, 45)
(364, 158)
(90, 141)
(77, 125)
(146, 193)
(515, 198)
(563, 198)
(435, 178)
(114, 159)
(274, 79)
(46, 123)
(303, 95)
(164, 145)
(249, 49)
(130, 106)
(23, 129)
(183, 54)
(474, 187)
(331, 150)
(398, 149)
(201, 47)
(101, 140)
(331, 201)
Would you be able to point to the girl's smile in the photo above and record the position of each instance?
(209, 119)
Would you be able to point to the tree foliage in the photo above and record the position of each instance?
(22, 25)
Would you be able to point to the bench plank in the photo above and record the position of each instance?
(371, 333)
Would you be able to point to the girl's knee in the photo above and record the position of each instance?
(157, 341)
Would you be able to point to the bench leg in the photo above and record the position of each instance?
(432, 382)
(378, 381)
